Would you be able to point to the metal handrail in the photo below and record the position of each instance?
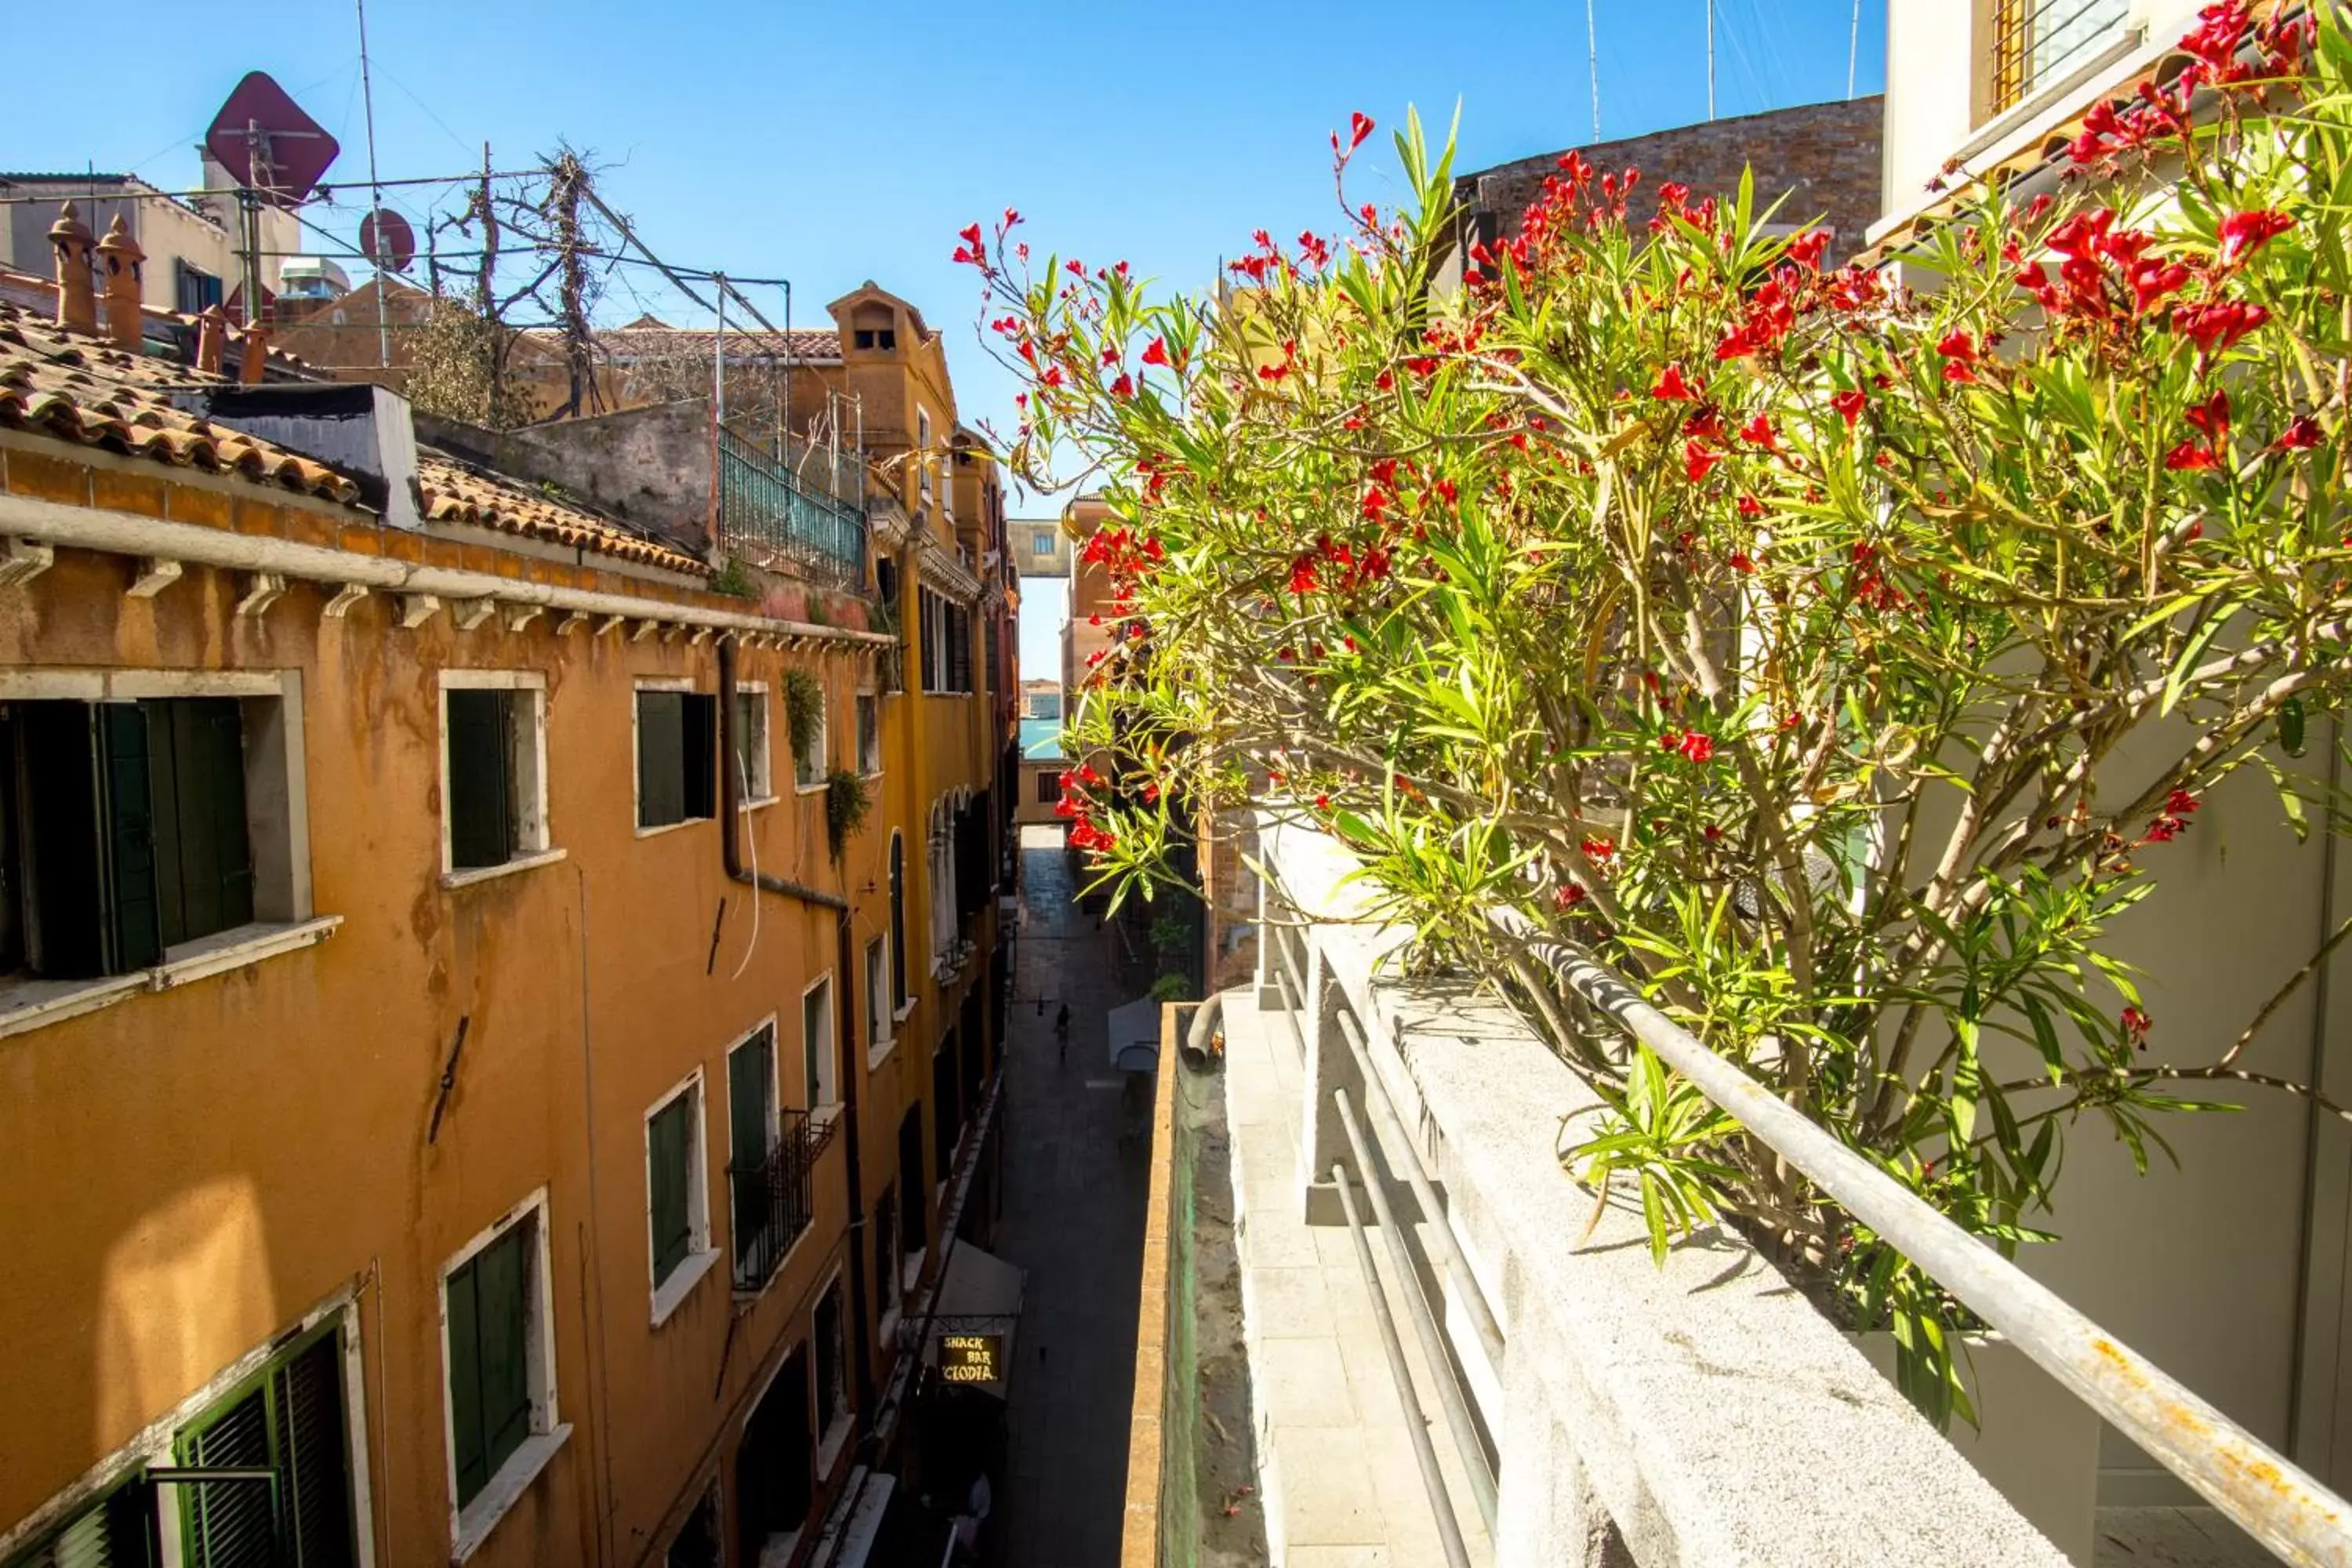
(1416, 1424)
(1424, 1321)
(1474, 1295)
(2268, 1497)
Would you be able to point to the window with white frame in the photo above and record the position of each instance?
(817, 1043)
(677, 1204)
(498, 1358)
(808, 761)
(923, 453)
(143, 813)
(869, 733)
(751, 759)
(877, 995)
(493, 769)
(676, 741)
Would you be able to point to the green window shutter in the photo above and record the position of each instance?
(661, 766)
(136, 933)
(481, 793)
(670, 1160)
(812, 1045)
(505, 1370)
(230, 1524)
(204, 863)
(489, 1372)
(466, 1382)
(699, 746)
(309, 1394)
(750, 1092)
(116, 1532)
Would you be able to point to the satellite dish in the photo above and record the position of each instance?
(386, 240)
(267, 144)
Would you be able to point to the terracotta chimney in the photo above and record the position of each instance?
(69, 237)
(121, 255)
(256, 355)
(212, 337)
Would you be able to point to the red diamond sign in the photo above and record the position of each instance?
(267, 143)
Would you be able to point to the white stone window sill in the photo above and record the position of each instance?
(905, 1010)
(672, 827)
(879, 1051)
(473, 874)
(768, 799)
(34, 1003)
(745, 1296)
(514, 1477)
(817, 788)
(829, 1447)
(777, 1550)
(681, 1283)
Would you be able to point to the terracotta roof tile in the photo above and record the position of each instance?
(457, 493)
(66, 384)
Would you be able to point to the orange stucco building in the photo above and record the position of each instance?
(467, 1092)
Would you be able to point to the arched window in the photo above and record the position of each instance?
(897, 921)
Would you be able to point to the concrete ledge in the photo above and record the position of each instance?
(1703, 1408)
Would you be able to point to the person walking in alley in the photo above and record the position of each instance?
(1062, 1033)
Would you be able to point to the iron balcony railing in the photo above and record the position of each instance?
(769, 519)
(772, 1198)
(2038, 42)
(826, 470)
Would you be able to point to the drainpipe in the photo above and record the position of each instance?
(730, 850)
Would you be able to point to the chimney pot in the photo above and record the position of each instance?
(77, 302)
(123, 256)
(212, 338)
(255, 356)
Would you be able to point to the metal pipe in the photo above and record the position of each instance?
(1482, 1316)
(119, 533)
(731, 851)
(2287, 1509)
(1416, 1424)
(1424, 1321)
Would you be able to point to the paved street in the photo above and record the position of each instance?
(1073, 1218)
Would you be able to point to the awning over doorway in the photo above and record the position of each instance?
(1134, 1033)
(980, 1299)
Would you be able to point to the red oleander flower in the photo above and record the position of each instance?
(1758, 432)
(1697, 460)
(2212, 418)
(1698, 748)
(1670, 386)
(1959, 351)
(1124, 386)
(2180, 803)
(1750, 506)
(1322, 803)
(1156, 351)
(2299, 436)
(2164, 830)
(2137, 1025)
(2151, 280)
(1566, 897)
(1302, 575)
(1359, 127)
(1850, 405)
(2245, 232)
(2217, 325)
(1738, 562)
(1600, 849)
(2188, 458)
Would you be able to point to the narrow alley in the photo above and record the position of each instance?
(1073, 1218)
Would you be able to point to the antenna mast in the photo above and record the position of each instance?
(375, 196)
(1592, 53)
(1710, 59)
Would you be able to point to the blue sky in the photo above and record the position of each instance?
(834, 144)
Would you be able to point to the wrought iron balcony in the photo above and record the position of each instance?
(770, 518)
(773, 1199)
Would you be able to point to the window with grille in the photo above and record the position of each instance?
(869, 733)
(677, 748)
(831, 1393)
(877, 995)
(2039, 43)
(816, 1042)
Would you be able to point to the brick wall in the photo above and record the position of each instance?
(1824, 155)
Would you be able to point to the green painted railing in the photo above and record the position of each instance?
(767, 518)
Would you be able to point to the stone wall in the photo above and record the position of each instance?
(1824, 157)
(649, 466)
